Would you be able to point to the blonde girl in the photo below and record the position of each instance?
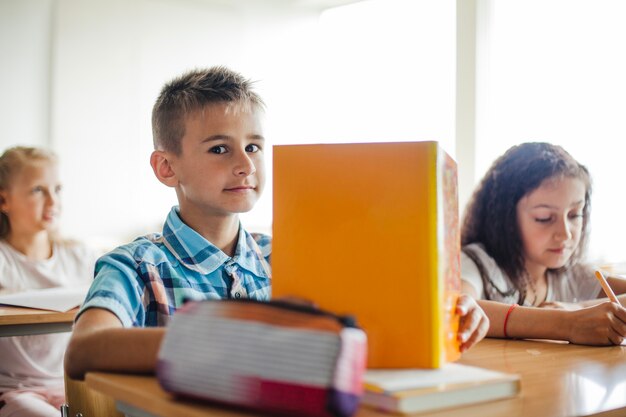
(32, 257)
(523, 236)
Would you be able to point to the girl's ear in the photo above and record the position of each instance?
(162, 167)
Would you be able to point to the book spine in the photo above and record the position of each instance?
(434, 277)
(449, 265)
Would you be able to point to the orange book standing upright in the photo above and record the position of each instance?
(371, 229)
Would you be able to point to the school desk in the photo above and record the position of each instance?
(18, 321)
(558, 379)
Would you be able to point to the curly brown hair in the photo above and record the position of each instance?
(490, 217)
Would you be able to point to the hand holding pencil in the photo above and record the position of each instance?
(599, 324)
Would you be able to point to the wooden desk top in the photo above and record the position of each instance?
(16, 321)
(558, 380)
(19, 315)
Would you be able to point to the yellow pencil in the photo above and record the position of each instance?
(607, 289)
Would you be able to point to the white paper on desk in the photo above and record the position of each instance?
(56, 299)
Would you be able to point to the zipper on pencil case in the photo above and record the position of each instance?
(344, 320)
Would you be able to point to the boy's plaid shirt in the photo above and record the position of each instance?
(145, 281)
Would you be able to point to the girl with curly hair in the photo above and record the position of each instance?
(523, 236)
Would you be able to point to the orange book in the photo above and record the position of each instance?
(372, 230)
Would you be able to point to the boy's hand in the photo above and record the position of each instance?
(473, 323)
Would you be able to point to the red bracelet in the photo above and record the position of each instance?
(506, 318)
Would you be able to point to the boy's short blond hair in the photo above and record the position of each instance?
(193, 91)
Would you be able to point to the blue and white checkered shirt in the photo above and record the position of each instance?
(144, 282)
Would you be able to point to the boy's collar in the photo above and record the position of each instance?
(248, 254)
(200, 255)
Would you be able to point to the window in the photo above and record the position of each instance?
(553, 71)
(383, 71)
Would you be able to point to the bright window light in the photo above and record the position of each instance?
(388, 72)
(384, 71)
(553, 71)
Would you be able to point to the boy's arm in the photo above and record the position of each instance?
(100, 343)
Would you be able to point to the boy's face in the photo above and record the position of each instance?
(221, 169)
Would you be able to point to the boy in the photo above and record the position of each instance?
(209, 147)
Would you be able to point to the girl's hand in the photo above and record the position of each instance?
(602, 324)
(473, 323)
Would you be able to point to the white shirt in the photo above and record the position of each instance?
(569, 287)
(36, 361)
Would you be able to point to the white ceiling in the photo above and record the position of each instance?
(287, 4)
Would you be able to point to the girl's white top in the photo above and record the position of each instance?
(571, 287)
(37, 361)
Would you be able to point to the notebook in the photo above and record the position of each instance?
(55, 299)
(372, 229)
(423, 390)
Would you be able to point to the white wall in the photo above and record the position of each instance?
(25, 48)
(81, 76)
(109, 60)
(384, 75)
(554, 71)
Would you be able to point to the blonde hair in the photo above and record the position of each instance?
(12, 161)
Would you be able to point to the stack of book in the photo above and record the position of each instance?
(421, 390)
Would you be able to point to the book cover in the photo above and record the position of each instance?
(372, 229)
(421, 390)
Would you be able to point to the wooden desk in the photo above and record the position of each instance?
(16, 321)
(558, 380)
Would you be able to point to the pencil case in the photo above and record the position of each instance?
(274, 357)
